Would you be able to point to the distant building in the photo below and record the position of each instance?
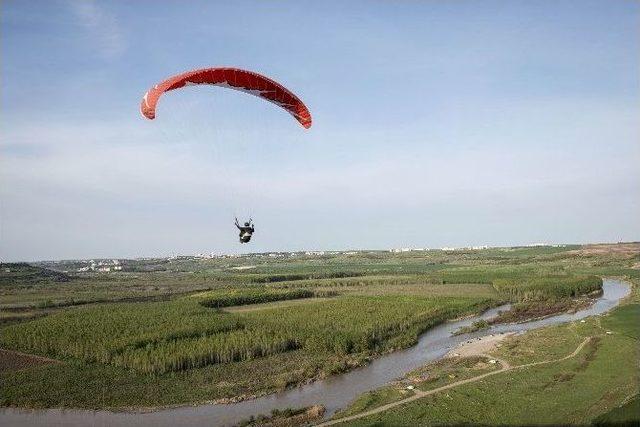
(398, 250)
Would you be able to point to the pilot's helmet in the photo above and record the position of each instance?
(246, 224)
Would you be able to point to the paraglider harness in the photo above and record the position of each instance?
(246, 231)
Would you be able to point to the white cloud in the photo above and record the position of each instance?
(102, 25)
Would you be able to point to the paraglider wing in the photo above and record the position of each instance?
(232, 78)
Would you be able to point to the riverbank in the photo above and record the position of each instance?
(419, 394)
(569, 373)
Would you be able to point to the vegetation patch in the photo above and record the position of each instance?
(478, 325)
(547, 287)
(524, 311)
(24, 273)
(219, 299)
(543, 344)
(15, 361)
(590, 351)
(121, 334)
(183, 334)
(286, 417)
(627, 414)
(626, 321)
(288, 277)
(449, 370)
(9, 317)
(374, 399)
(428, 377)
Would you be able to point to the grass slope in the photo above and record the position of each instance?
(574, 391)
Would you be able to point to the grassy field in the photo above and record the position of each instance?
(597, 386)
(626, 414)
(183, 330)
(429, 377)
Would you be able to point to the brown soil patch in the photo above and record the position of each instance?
(16, 361)
(592, 349)
(478, 346)
(629, 249)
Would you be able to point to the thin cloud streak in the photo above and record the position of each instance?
(102, 25)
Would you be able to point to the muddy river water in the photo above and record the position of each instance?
(334, 393)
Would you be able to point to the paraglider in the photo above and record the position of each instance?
(232, 78)
(246, 231)
(237, 79)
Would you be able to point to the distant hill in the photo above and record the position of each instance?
(23, 273)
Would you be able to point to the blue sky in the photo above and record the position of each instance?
(436, 123)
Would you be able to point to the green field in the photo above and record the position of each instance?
(174, 331)
(183, 334)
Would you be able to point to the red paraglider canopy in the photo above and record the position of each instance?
(233, 78)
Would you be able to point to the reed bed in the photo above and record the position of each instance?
(178, 335)
(229, 298)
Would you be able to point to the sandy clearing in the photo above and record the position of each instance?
(478, 346)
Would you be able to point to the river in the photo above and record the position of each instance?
(334, 392)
